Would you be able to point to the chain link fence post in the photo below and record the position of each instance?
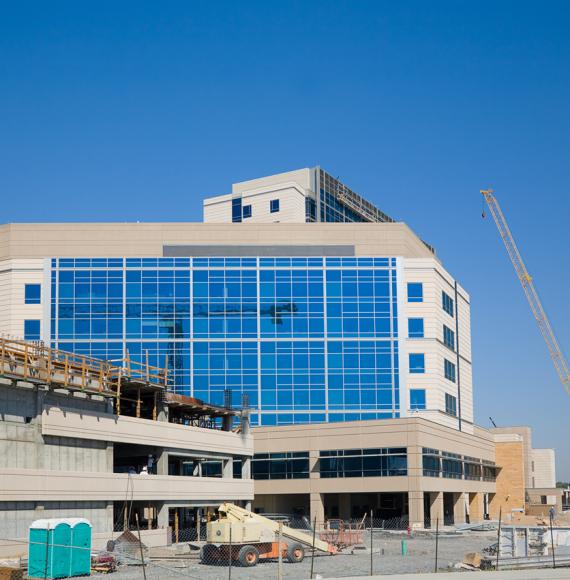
(436, 542)
(313, 553)
(371, 543)
(230, 555)
(280, 557)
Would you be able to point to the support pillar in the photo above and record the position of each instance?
(459, 508)
(162, 463)
(162, 516)
(436, 508)
(317, 507)
(246, 468)
(416, 509)
(475, 508)
(228, 468)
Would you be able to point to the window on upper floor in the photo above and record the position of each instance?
(31, 330)
(450, 404)
(236, 209)
(415, 327)
(246, 213)
(447, 303)
(448, 337)
(417, 399)
(33, 293)
(449, 370)
(417, 363)
(274, 206)
(415, 292)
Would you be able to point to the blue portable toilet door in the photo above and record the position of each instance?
(38, 554)
(60, 561)
(81, 548)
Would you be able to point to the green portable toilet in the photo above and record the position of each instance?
(53, 549)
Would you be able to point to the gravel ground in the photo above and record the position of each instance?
(387, 559)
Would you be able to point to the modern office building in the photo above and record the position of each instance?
(296, 295)
(344, 322)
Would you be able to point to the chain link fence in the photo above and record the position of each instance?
(358, 547)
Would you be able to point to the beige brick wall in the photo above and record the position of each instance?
(510, 485)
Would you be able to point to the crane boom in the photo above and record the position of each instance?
(525, 279)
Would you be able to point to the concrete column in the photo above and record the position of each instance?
(162, 515)
(436, 508)
(313, 465)
(459, 508)
(317, 507)
(416, 509)
(247, 505)
(228, 468)
(162, 411)
(162, 463)
(246, 468)
(475, 508)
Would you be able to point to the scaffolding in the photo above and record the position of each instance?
(123, 380)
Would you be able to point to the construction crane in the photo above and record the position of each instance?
(538, 312)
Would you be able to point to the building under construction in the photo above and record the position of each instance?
(108, 441)
(329, 317)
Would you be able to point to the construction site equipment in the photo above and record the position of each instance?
(245, 537)
(525, 279)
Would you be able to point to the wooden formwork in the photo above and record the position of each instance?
(33, 362)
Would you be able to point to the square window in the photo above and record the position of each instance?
(417, 363)
(274, 206)
(415, 292)
(415, 327)
(33, 293)
(246, 212)
(31, 330)
(417, 399)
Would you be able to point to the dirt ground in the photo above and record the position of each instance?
(386, 558)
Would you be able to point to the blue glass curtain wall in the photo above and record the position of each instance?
(307, 339)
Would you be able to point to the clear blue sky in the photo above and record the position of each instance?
(136, 110)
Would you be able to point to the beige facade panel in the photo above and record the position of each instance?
(412, 431)
(43, 485)
(64, 422)
(148, 239)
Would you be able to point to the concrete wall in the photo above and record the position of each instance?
(100, 427)
(16, 516)
(22, 445)
(543, 468)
